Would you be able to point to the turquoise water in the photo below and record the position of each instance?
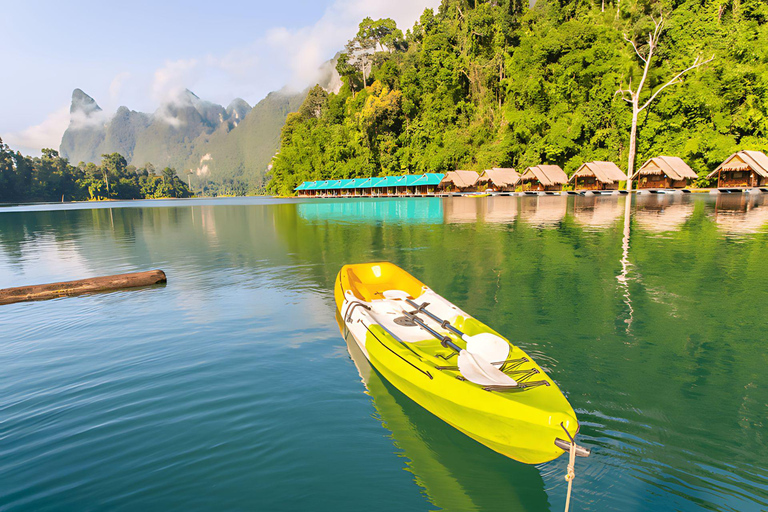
(231, 388)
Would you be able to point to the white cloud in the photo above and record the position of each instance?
(203, 169)
(280, 56)
(174, 78)
(116, 86)
(47, 134)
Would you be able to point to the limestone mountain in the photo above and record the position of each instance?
(225, 150)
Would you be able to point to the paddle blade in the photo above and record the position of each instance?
(475, 369)
(488, 347)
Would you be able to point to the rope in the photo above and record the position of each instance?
(570, 474)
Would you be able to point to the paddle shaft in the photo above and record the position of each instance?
(444, 323)
(445, 340)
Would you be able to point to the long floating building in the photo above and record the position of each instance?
(407, 185)
(745, 171)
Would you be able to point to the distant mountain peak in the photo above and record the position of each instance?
(81, 102)
(238, 109)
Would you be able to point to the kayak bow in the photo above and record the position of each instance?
(437, 355)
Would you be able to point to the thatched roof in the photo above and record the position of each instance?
(501, 177)
(604, 172)
(461, 179)
(744, 161)
(547, 175)
(675, 168)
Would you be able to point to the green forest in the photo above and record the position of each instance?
(498, 83)
(51, 178)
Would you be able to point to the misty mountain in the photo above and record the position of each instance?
(225, 150)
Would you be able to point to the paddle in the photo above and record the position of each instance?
(490, 347)
(473, 367)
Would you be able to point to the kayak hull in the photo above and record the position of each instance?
(520, 424)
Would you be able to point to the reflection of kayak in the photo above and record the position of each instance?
(455, 473)
(478, 194)
(453, 365)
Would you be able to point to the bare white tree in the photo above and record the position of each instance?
(633, 96)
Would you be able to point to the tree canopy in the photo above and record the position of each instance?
(52, 178)
(480, 83)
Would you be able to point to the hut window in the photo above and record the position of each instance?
(738, 174)
(656, 177)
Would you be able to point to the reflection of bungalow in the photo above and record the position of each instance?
(460, 210)
(742, 169)
(597, 176)
(741, 213)
(544, 178)
(498, 180)
(501, 209)
(598, 211)
(543, 211)
(660, 213)
(664, 172)
(459, 181)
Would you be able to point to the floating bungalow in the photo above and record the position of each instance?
(543, 178)
(745, 169)
(664, 172)
(498, 180)
(597, 176)
(384, 186)
(459, 181)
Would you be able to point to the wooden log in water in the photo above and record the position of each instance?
(91, 285)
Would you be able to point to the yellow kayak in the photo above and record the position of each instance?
(453, 365)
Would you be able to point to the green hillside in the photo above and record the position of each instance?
(217, 150)
(496, 83)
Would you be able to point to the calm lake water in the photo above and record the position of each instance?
(230, 388)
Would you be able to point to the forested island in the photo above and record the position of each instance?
(498, 83)
(52, 178)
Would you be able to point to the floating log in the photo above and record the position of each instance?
(91, 285)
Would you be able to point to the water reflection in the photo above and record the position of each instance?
(543, 211)
(598, 211)
(461, 210)
(501, 209)
(741, 213)
(658, 213)
(425, 210)
(457, 473)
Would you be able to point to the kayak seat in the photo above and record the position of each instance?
(369, 281)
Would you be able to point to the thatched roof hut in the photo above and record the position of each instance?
(464, 181)
(598, 175)
(664, 172)
(742, 169)
(544, 177)
(498, 179)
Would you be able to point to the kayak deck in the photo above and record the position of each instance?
(521, 422)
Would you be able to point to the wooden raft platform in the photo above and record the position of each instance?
(81, 286)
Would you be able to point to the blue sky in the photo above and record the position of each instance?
(140, 53)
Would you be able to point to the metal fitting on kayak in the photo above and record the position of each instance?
(581, 451)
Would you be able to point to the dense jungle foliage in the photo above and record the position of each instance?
(496, 83)
(51, 178)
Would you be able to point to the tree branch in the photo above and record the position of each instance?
(635, 47)
(676, 79)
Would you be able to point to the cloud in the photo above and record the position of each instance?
(278, 57)
(173, 78)
(47, 134)
(203, 169)
(281, 56)
(116, 86)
